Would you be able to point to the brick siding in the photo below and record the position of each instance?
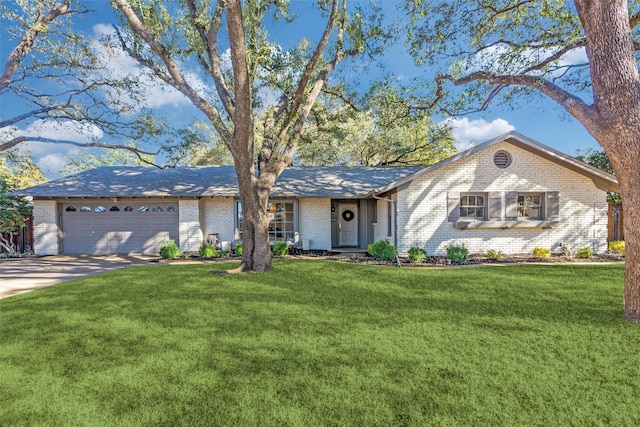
(423, 211)
(189, 225)
(45, 227)
(314, 222)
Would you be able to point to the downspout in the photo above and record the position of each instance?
(395, 222)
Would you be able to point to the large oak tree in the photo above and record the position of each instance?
(229, 42)
(583, 56)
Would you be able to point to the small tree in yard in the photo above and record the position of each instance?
(582, 55)
(13, 214)
(166, 37)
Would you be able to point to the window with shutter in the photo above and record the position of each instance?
(530, 207)
(495, 206)
(453, 206)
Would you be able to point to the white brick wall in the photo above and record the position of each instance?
(217, 216)
(189, 225)
(422, 207)
(45, 227)
(314, 222)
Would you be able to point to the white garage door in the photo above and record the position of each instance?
(124, 227)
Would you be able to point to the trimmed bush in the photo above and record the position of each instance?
(238, 249)
(417, 255)
(207, 251)
(541, 253)
(617, 246)
(170, 250)
(457, 253)
(493, 254)
(584, 252)
(280, 248)
(382, 249)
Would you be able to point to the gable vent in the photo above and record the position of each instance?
(502, 159)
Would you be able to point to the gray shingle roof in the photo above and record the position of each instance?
(140, 181)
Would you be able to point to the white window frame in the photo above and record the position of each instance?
(284, 225)
(475, 206)
(524, 205)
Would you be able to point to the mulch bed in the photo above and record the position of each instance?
(433, 261)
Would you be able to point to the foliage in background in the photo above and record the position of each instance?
(493, 254)
(541, 253)
(383, 131)
(280, 248)
(457, 253)
(382, 249)
(18, 170)
(617, 246)
(14, 212)
(584, 252)
(417, 255)
(599, 159)
(170, 250)
(238, 249)
(92, 158)
(207, 251)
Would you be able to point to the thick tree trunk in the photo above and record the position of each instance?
(631, 199)
(256, 250)
(616, 119)
(254, 192)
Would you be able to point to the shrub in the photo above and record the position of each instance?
(207, 251)
(457, 253)
(584, 252)
(280, 248)
(170, 250)
(417, 255)
(238, 249)
(382, 249)
(224, 253)
(493, 254)
(541, 253)
(617, 246)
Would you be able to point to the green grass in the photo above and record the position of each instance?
(323, 343)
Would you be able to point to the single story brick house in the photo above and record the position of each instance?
(509, 194)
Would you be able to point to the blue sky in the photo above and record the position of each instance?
(538, 118)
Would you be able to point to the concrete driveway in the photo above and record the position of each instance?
(26, 274)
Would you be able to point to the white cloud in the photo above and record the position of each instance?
(51, 164)
(118, 64)
(573, 57)
(469, 132)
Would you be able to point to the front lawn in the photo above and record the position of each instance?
(323, 343)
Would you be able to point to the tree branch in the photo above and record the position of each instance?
(309, 69)
(571, 103)
(26, 43)
(176, 79)
(209, 38)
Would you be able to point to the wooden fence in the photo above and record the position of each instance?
(616, 222)
(23, 238)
